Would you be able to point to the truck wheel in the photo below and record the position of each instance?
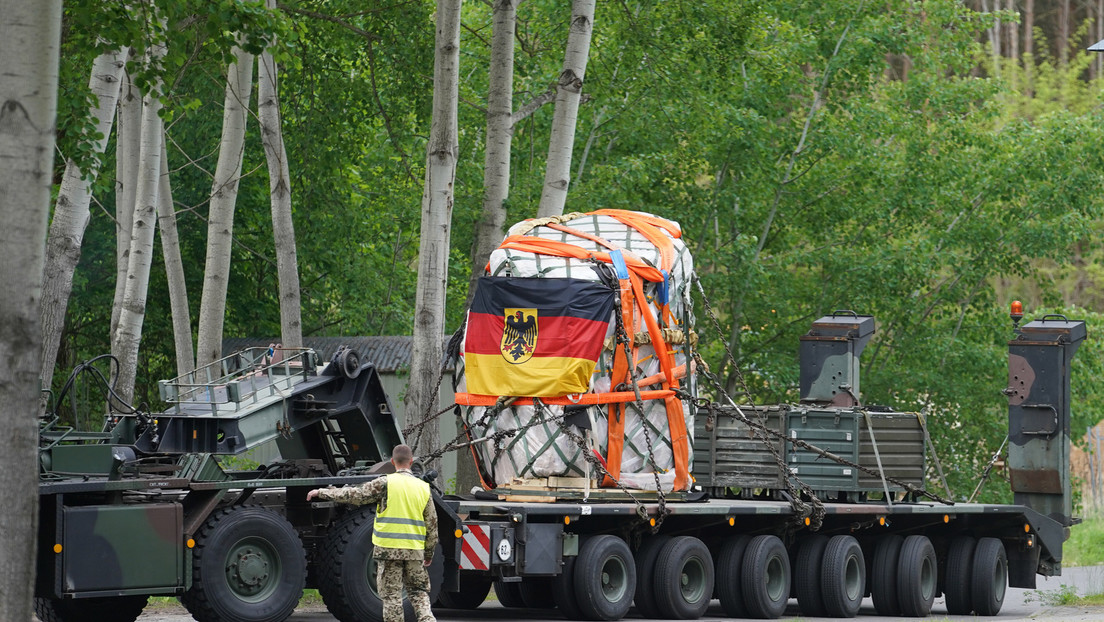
(647, 557)
(883, 580)
(810, 554)
(605, 578)
(917, 577)
(509, 594)
(111, 609)
(843, 577)
(956, 586)
(563, 590)
(766, 577)
(347, 570)
(684, 578)
(989, 577)
(473, 591)
(248, 565)
(536, 593)
(730, 589)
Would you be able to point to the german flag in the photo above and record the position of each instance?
(535, 337)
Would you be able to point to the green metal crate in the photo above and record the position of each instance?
(730, 454)
(859, 436)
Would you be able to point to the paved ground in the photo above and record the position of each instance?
(1018, 605)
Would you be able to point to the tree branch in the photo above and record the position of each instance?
(329, 18)
(532, 106)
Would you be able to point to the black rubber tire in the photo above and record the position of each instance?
(683, 578)
(989, 579)
(646, 558)
(843, 577)
(347, 570)
(730, 589)
(807, 572)
(957, 583)
(883, 578)
(265, 554)
(563, 590)
(917, 577)
(509, 594)
(605, 578)
(536, 593)
(474, 589)
(108, 609)
(766, 577)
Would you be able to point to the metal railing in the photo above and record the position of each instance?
(240, 379)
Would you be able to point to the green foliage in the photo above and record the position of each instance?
(1083, 546)
(819, 156)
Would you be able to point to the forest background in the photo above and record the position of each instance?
(922, 162)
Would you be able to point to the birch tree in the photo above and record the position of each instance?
(496, 160)
(174, 270)
(224, 195)
(29, 44)
(279, 184)
(557, 175)
(128, 133)
(132, 312)
(437, 199)
(63, 248)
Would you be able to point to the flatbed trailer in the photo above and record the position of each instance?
(752, 539)
(144, 508)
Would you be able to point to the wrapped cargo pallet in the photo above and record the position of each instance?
(575, 315)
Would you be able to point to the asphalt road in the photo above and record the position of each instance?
(1019, 605)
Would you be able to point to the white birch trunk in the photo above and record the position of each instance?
(496, 162)
(557, 175)
(174, 270)
(224, 196)
(63, 247)
(128, 134)
(29, 41)
(437, 198)
(279, 186)
(132, 314)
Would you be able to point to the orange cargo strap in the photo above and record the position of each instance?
(553, 248)
(649, 227)
(654, 221)
(622, 366)
(676, 422)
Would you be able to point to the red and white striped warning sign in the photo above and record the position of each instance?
(475, 550)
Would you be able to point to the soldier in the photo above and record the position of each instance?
(404, 535)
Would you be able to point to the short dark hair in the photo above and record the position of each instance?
(402, 455)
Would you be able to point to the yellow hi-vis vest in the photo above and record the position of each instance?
(401, 525)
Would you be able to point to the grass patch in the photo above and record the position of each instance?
(1067, 596)
(1083, 548)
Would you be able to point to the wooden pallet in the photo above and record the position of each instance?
(552, 489)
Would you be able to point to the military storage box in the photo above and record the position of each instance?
(890, 443)
(728, 453)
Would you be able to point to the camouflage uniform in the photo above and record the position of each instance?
(397, 568)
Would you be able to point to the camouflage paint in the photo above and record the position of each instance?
(121, 547)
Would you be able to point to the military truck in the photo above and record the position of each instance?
(144, 508)
(820, 500)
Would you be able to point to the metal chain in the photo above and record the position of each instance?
(795, 442)
(622, 336)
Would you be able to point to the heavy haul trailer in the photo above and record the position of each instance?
(145, 509)
(751, 539)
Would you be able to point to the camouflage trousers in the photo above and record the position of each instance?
(392, 575)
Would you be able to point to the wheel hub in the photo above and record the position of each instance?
(251, 569)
